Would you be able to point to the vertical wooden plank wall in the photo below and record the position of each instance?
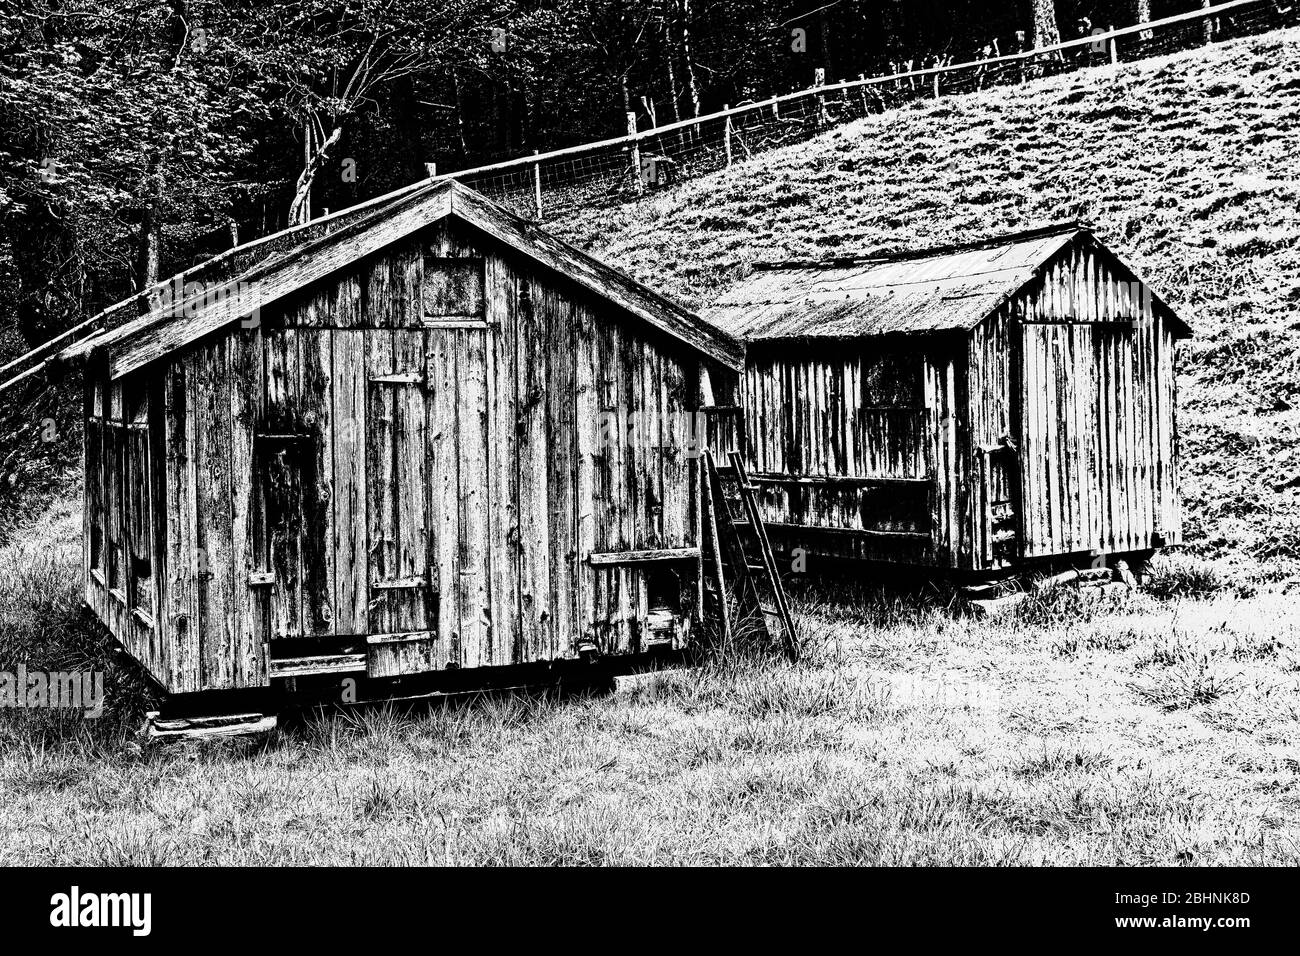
(248, 518)
(388, 452)
(1097, 397)
(947, 448)
(841, 424)
(122, 582)
(94, 518)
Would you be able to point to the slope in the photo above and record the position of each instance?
(1187, 165)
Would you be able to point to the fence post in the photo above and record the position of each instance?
(1114, 48)
(936, 86)
(726, 132)
(819, 80)
(862, 93)
(636, 152)
(537, 187)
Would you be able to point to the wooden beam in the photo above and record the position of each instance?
(160, 730)
(650, 556)
(372, 639)
(317, 664)
(897, 535)
(772, 478)
(399, 584)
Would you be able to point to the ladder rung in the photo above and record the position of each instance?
(768, 609)
(757, 567)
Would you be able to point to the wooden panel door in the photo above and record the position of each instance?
(458, 488)
(1061, 486)
(279, 448)
(402, 609)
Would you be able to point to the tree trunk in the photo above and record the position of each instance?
(691, 85)
(460, 116)
(824, 30)
(891, 28)
(1046, 31)
(669, 52)
(148, 247)
(300, 208)
(149, 239)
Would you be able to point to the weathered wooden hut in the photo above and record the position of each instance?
(424, 437)
(970, 408)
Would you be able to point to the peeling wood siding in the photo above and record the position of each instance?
(1049, 430)
(120, 522)
(1080, 369)
(428, 460)
(858, 443)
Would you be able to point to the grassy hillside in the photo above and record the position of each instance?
(1186, 164)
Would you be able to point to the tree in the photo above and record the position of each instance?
(692, 85)
(111, 136)
(1046, 30)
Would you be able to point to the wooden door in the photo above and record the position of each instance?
(403, 607)
(999, 530)
(289, 498)
(1060, 482)
(458, 487)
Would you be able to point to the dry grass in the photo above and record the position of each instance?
(1152, 732)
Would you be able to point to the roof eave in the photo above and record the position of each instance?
(149, 337)
(599, 278)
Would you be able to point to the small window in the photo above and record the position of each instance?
(891, 380)
(453, 290)
(896, 508)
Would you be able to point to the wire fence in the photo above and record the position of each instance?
(612, 171)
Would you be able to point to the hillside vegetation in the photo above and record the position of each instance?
(1187, 165)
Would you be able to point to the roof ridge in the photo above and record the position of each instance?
(905, 255)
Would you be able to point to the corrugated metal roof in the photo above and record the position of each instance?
(928, 291)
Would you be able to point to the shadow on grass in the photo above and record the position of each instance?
(45, 626)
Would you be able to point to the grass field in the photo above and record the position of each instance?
(1164, 729)
(1159, 730)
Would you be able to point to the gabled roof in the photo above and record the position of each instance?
(948, 289)
(145, 339)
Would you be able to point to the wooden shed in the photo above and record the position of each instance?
(424, 437)
(970, 408)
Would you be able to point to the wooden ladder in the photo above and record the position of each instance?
(737, 549)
